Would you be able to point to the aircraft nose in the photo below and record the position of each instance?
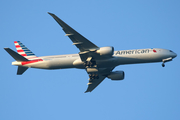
(174, 55)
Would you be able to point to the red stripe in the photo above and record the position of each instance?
(32, 61)
(20, 50)
(18, 46)
(15, 42)
(23, 54)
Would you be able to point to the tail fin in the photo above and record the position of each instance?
(24, 51)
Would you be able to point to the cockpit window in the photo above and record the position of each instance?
(170, 50)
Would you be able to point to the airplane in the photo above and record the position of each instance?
(98, 62)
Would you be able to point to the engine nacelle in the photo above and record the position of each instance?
(117, 75)
(106, 51)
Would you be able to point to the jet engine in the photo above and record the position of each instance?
(117, 75)
(106, 51)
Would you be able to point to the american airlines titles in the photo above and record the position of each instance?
(125, 52)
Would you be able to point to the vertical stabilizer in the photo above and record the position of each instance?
(24, 51)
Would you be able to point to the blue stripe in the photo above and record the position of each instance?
(30, 54)
(24, 47)
(27, 51)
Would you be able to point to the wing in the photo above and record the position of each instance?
(87, 55)
(96, 79)
(80, 41)
(93, 83)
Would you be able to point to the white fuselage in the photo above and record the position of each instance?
(119, 58)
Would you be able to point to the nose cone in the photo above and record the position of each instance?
(174, 55)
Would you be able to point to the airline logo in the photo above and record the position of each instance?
(24, 51)
(128, 52)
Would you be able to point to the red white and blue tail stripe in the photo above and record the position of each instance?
(24, 51)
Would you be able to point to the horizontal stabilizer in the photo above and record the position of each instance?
(15, 55)
(21, 70)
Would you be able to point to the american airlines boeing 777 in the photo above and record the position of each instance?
(98, 62)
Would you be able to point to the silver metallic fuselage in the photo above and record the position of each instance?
(119, 58)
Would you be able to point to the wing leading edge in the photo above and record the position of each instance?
(80, 41)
